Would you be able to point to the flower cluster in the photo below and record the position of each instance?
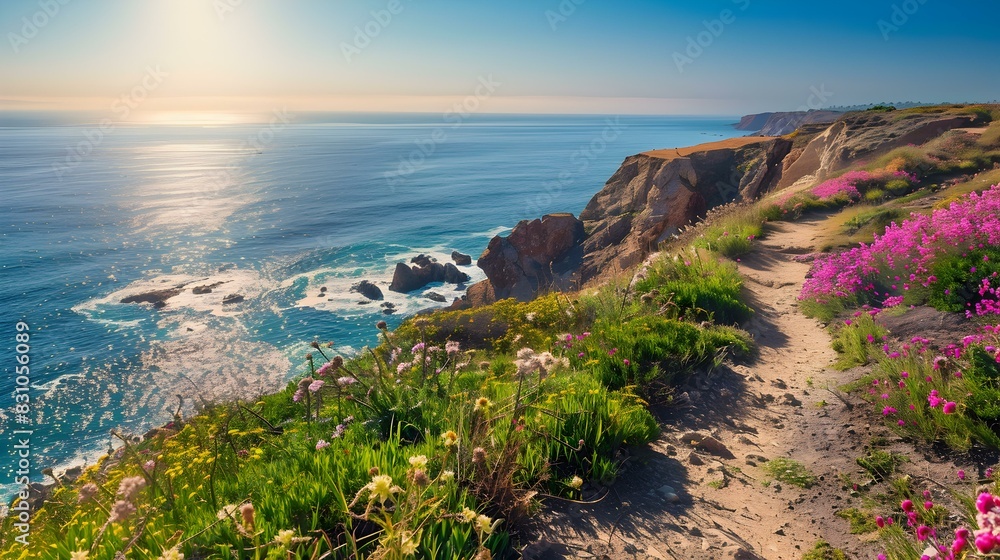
(528, 362)
(903, 257)
(850, 185)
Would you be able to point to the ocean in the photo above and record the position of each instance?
(273, 212)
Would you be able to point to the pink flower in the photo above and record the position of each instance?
(961, 474)
(626, 362)
(985, 543)
(906, 505)
(923, 532)
(888, 410)
(949, 408)
(322, 444)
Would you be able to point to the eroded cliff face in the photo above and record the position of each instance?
(654, 194)
(857, 136)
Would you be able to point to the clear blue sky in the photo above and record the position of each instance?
(601, 56)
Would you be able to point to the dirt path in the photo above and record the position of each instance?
(679, 500)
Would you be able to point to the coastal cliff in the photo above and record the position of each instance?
(781, 123)
(654, 194)
(649, 198)
(857, 136)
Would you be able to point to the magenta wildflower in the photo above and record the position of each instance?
(949, 408)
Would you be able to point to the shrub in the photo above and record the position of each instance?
(909, 159)
(649, 348)
(881, 464)
(696, 287)
(857, 341)
(824, 551)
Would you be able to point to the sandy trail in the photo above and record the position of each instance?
(784, 404)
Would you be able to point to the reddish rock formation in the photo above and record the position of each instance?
(536, 256)
(653, 195)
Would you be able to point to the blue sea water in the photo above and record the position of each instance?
(273, 212)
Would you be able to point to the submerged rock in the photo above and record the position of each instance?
(434, 296)
(156, 297)
(233, 298)
(368, 289)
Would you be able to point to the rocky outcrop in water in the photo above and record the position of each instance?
(369, 290)
(425, 271)
(461, 259)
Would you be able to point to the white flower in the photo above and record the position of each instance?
(79, 555)
(447, 476)
(408, 543)
(450, 438)
(381, 487)
(419, 462)
(468, 515)
(228, 512)
(172, 554)
(575, 483)
(285, 537)
(484, 524)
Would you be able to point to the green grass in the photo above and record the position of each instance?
(857, 343)
(695, 285)
(537, 395)
(881, 464)
(861, 522)
(790, 472)
(734, 232)
(824, 551)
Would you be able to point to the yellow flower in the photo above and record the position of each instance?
(285, 537)
(484, 524)
(79, 555)
(381, 487)
(172, 554)
(576, 483)
(468, 515)
(419, 462)
(482, 403)
(450, 438)
(408, 543)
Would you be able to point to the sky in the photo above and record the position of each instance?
(227, 57)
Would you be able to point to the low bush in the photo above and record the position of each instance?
(696, 287)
